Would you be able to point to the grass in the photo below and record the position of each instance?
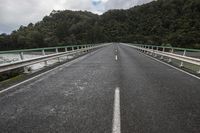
(11, 81)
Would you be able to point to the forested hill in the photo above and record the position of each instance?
(161, 22)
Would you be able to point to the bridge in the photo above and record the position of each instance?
(104, 88)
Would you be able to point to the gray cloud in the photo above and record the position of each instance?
(14, 13)
(124, 4)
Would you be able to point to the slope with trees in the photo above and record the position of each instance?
(161, 22)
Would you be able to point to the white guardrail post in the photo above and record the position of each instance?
(21, 55)
(163, 52)
(73, 48)
(66, 51)
(157, 51)
(45, 62)
(22, 58)
(57, 53)
(170, 59)
(79, 47)
(152, 50)
(184, 53)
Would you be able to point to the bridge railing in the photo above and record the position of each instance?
(182, 57)
(27, 57)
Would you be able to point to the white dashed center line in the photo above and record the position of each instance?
(116, 114)
(116, 58)
(116, 52)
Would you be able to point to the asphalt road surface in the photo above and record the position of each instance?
(115, 89)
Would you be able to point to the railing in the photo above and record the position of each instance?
(187, 58)
(44, 55)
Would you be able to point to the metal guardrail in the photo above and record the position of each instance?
(66, 51)
(171, 53)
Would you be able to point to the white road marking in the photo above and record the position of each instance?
(37, 76)
(116, 58)
(116, 114)
(173, 67)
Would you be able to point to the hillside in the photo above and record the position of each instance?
(162, 22)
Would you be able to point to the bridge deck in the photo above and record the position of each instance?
(80, 98)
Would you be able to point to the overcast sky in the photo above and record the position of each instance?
(14, 13)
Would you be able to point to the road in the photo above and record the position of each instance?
(114, 89)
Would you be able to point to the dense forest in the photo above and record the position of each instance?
(161, 22)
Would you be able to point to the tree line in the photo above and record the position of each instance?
(162, 22)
